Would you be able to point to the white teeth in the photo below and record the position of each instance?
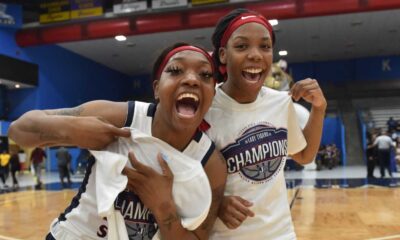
(253, 70)
(188, 95)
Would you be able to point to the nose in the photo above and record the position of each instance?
(191, 78)
(254, 54)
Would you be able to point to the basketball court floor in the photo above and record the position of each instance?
(328, 204)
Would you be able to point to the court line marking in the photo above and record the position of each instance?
(8, 238)
(294, 198)
(385, 238)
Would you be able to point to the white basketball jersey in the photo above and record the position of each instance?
(81, 219)
(255, 139)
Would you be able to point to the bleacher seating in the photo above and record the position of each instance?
(381, 115)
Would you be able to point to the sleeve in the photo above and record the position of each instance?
(131, 111)
(296, 140)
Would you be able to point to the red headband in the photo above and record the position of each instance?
(180, 49)
(243, 19)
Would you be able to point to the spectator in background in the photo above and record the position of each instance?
(63, 162)
(371, 155)
(37, 157)
(4, 167)
(384, 143)
(15, 167)
(320, 159)
(392, 125)
(397, 157)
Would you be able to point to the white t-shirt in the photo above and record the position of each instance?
(384, 142)
(82, 220)
(255, 139)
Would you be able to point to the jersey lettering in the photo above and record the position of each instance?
(102, 232)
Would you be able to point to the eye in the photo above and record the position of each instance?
(174, 70)
(265, 46)
(240, 46)
(206, 75)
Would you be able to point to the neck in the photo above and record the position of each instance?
(177, 138)
(238, 94)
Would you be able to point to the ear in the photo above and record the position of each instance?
(155, 89)
(222, 55)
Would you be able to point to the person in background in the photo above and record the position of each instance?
(384, 145)
(371, 155)
(63, 162)
(37, 158)
(4, 167)
(15, 167)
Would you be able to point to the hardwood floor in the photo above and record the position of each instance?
(28, 214)
(357, 213)
(321, 214)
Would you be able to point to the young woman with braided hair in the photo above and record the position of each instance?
(183, 88)
(255, 129)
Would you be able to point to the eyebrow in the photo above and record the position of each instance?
(246, 38)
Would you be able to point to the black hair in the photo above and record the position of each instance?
(165, 52)
(222, 24)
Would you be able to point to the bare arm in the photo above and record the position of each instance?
(310, 91)
(156, 193)
(91, 125)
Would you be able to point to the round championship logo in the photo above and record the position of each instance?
(261, 171)
(258, 153)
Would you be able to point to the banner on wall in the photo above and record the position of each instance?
(54, 11)
(10, 15)
(202, 2)
(157, 4)
(235, 1)
(86, 8)
(127, 6)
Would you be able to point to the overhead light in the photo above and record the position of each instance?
(283, 53)
(120, 38)
(273, 22)
(17, 86)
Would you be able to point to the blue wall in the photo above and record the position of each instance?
(349, 71)
(65, 79)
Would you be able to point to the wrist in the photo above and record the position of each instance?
(319, 109)
(164, 211)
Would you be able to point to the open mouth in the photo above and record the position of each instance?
(252, 74)
(187, 104)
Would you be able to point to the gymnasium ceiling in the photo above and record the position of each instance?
(334, 37)
(325, 38)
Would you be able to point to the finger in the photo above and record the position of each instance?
(244, 201)
(243, 206)
(233, 223)
(237, 214)
(298, 87)
(120, 132)
(294, 91)
(303, 90)
(138, 165)
(164, 165)
(229, 225)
